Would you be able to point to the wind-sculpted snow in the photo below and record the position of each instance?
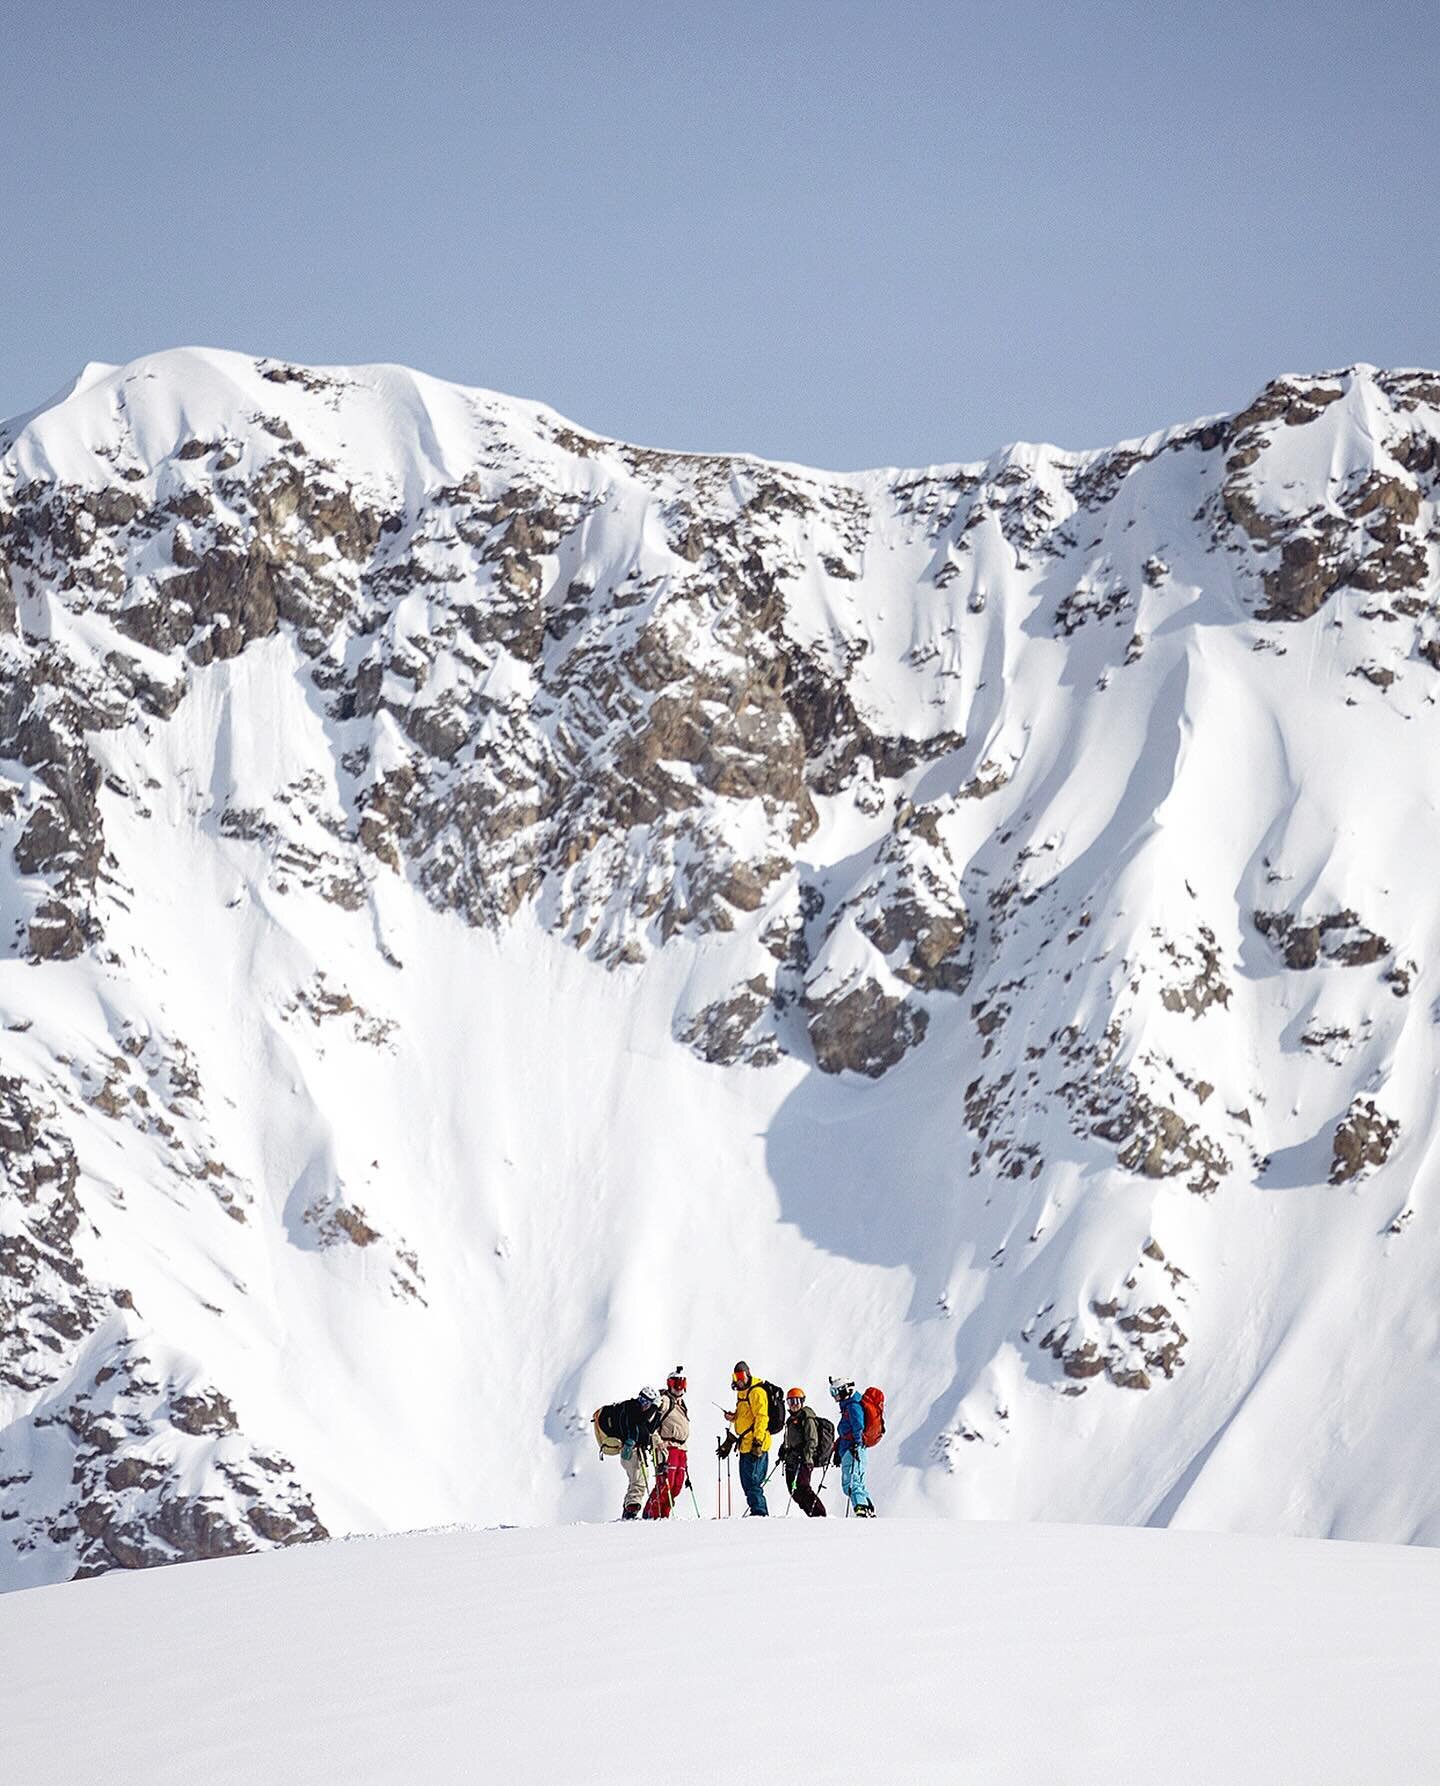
(490, 909)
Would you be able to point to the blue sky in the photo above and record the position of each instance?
(842, 233)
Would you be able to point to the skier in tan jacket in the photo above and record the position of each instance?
(671, 1448)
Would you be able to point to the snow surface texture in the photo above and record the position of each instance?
(490, 911)
(1008, 1654)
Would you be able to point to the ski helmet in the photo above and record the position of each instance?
(841, 1387)
(675, 1382)
(648, 1395)
(740, 1376)
(794, 1398)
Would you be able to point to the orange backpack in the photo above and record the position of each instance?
(873, 1402)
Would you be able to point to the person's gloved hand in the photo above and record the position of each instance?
(627, 1450)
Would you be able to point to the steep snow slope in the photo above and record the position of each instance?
(956, 1652)
(492, 910)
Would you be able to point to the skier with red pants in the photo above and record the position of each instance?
(672, 1438)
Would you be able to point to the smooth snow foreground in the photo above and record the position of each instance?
(901, 1652)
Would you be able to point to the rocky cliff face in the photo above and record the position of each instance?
(1078, 798)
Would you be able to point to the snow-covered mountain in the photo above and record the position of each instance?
(490, 911)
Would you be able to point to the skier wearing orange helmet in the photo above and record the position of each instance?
(807, 1441)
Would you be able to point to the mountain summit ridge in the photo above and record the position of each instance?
(468, 882)
(228, 364)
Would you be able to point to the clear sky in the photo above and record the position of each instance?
(847, 232)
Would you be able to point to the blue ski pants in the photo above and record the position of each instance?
(754, 1467)
(852, 1477)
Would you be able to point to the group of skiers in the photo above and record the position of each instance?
(654, 1427)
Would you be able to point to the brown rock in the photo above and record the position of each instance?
(860, 1029)
(1363, 1140)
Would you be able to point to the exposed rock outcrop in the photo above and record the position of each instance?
(1363, 1140)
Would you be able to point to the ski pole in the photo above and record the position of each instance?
(825, 1472)
(691, 1486)
(719, 1472)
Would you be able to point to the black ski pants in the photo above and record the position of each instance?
(797, 1480)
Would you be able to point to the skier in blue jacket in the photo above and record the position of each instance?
(850, 1447)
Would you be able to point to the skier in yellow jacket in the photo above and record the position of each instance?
(750, 1430)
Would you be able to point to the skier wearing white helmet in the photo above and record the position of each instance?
(850, 1447)
(628, 1429)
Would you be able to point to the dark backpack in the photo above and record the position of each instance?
(873, 1402)
(628, 1422)
(824, 1440)
(776, 1398)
